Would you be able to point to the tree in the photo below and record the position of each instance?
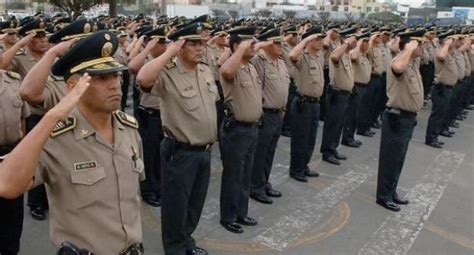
(289, 14)
(264, 13)
(233, 13)
(75, 7)
(385, 17)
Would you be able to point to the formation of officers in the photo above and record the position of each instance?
(243, 83)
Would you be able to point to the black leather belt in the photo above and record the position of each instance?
(310, 99)
(149, 111)
(189, 147)
(404, 114)
(248, 124)
(136, 249)
(270, 110)
(360, 85)
(342, 92)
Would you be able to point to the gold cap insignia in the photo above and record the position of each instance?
(41, 24)
(198, 30)
(107, 37)
(95, 27)
(87, 28)
(107, 49)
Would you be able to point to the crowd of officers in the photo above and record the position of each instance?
(241, 83)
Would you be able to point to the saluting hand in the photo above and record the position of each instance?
(151, 44)
(244, 45)
(412, 45)
(26, 40)
(61, 48)
(175, 47)
(67, 104)
(351, 40)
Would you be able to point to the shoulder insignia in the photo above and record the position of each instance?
(63, 126)
(57, 78)
(126, 119)
(204, 63)
(13, 75)
(170, 65)
(20, 52)
(261, 57)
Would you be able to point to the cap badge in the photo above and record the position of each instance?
(107, 49)
(87, 28)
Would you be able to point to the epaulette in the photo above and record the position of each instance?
(63, 126)
(126, 119)
(204, 63)
(13, 75)
(170, 65)
(57, 78)
(20, 52)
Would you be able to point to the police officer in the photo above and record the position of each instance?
(427, 67)
(405, 99)
(36, 44)
(290, 41)
(362, 70)
(12, 126)
(442, 89)
(330, 43)
(239, 131)
(10, 34)
(148, 115)
(88, 154)
(275, 82)
(308, 59)
(188, 112)
(122, 57)
(342, 81)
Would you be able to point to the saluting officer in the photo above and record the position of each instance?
(239, 131)
(122, 57)
(290, 41)
(442, 89)
(275, 81)
(188, 112)
(330, 43)
(342, 81)
(148, 115)
(362, 70)
(405, 99)
(308, 59)
(427, 67)
(13, 112)
(9, 31)
(88, 154)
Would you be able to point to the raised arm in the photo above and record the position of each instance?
(231, 66)
(135, 64)
(444, 51)
(400, 64)
(10, 53)
(18, 168)
(296, 52)
(337, 54)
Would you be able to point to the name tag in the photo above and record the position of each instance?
(81, 166)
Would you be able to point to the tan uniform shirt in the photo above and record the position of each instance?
(461, 66)
(54, 91)
(467, 61)
(376, 58)
(244, 93)
(286, 57)
(327, 52)
(187, 102)
(405, 92)
(309, 74)
(275, 81)
(12, 109)
(93, 186)
(446, 71)
(429, 53)
(121, 56)
(341, 73)
(362, 69)
(386, 56)
(215, 53)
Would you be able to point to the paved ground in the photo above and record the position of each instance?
(336, 213)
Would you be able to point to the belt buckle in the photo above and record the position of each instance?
(208, 146)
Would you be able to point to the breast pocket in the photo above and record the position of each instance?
(345, 63)
(414, 85)
(189, 99)
(85, 185)
(246, 82)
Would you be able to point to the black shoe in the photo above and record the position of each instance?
(272, 193)
(152, 200)
(197, 251)
(376, 125)
(286, 133)
(366, 133)
(470, 107)
(233, 227)
(262, 198)
(454, 125)
(392, 206)
(434, 144)
(311, 173)
(298, 177)
(38, 213)
(445, 133)
(399, 200)
(340, 156)
(353, 144)
(451, 132)
(460, 118)
(331, 159)
(247, 221)
(441, 142)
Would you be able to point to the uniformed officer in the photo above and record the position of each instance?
(188, 112)
(13, 112)
(88, 154)
(405, 99)
(362, 70)
(290, 41)
(465, 89)
(342, 81)
(427, 67)
(239, 130)
(10, 34)
(368, 104)
(308, 59)
(275, 82)
(122, 57)
(36, 44)
(442, 89)
(148, 115)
